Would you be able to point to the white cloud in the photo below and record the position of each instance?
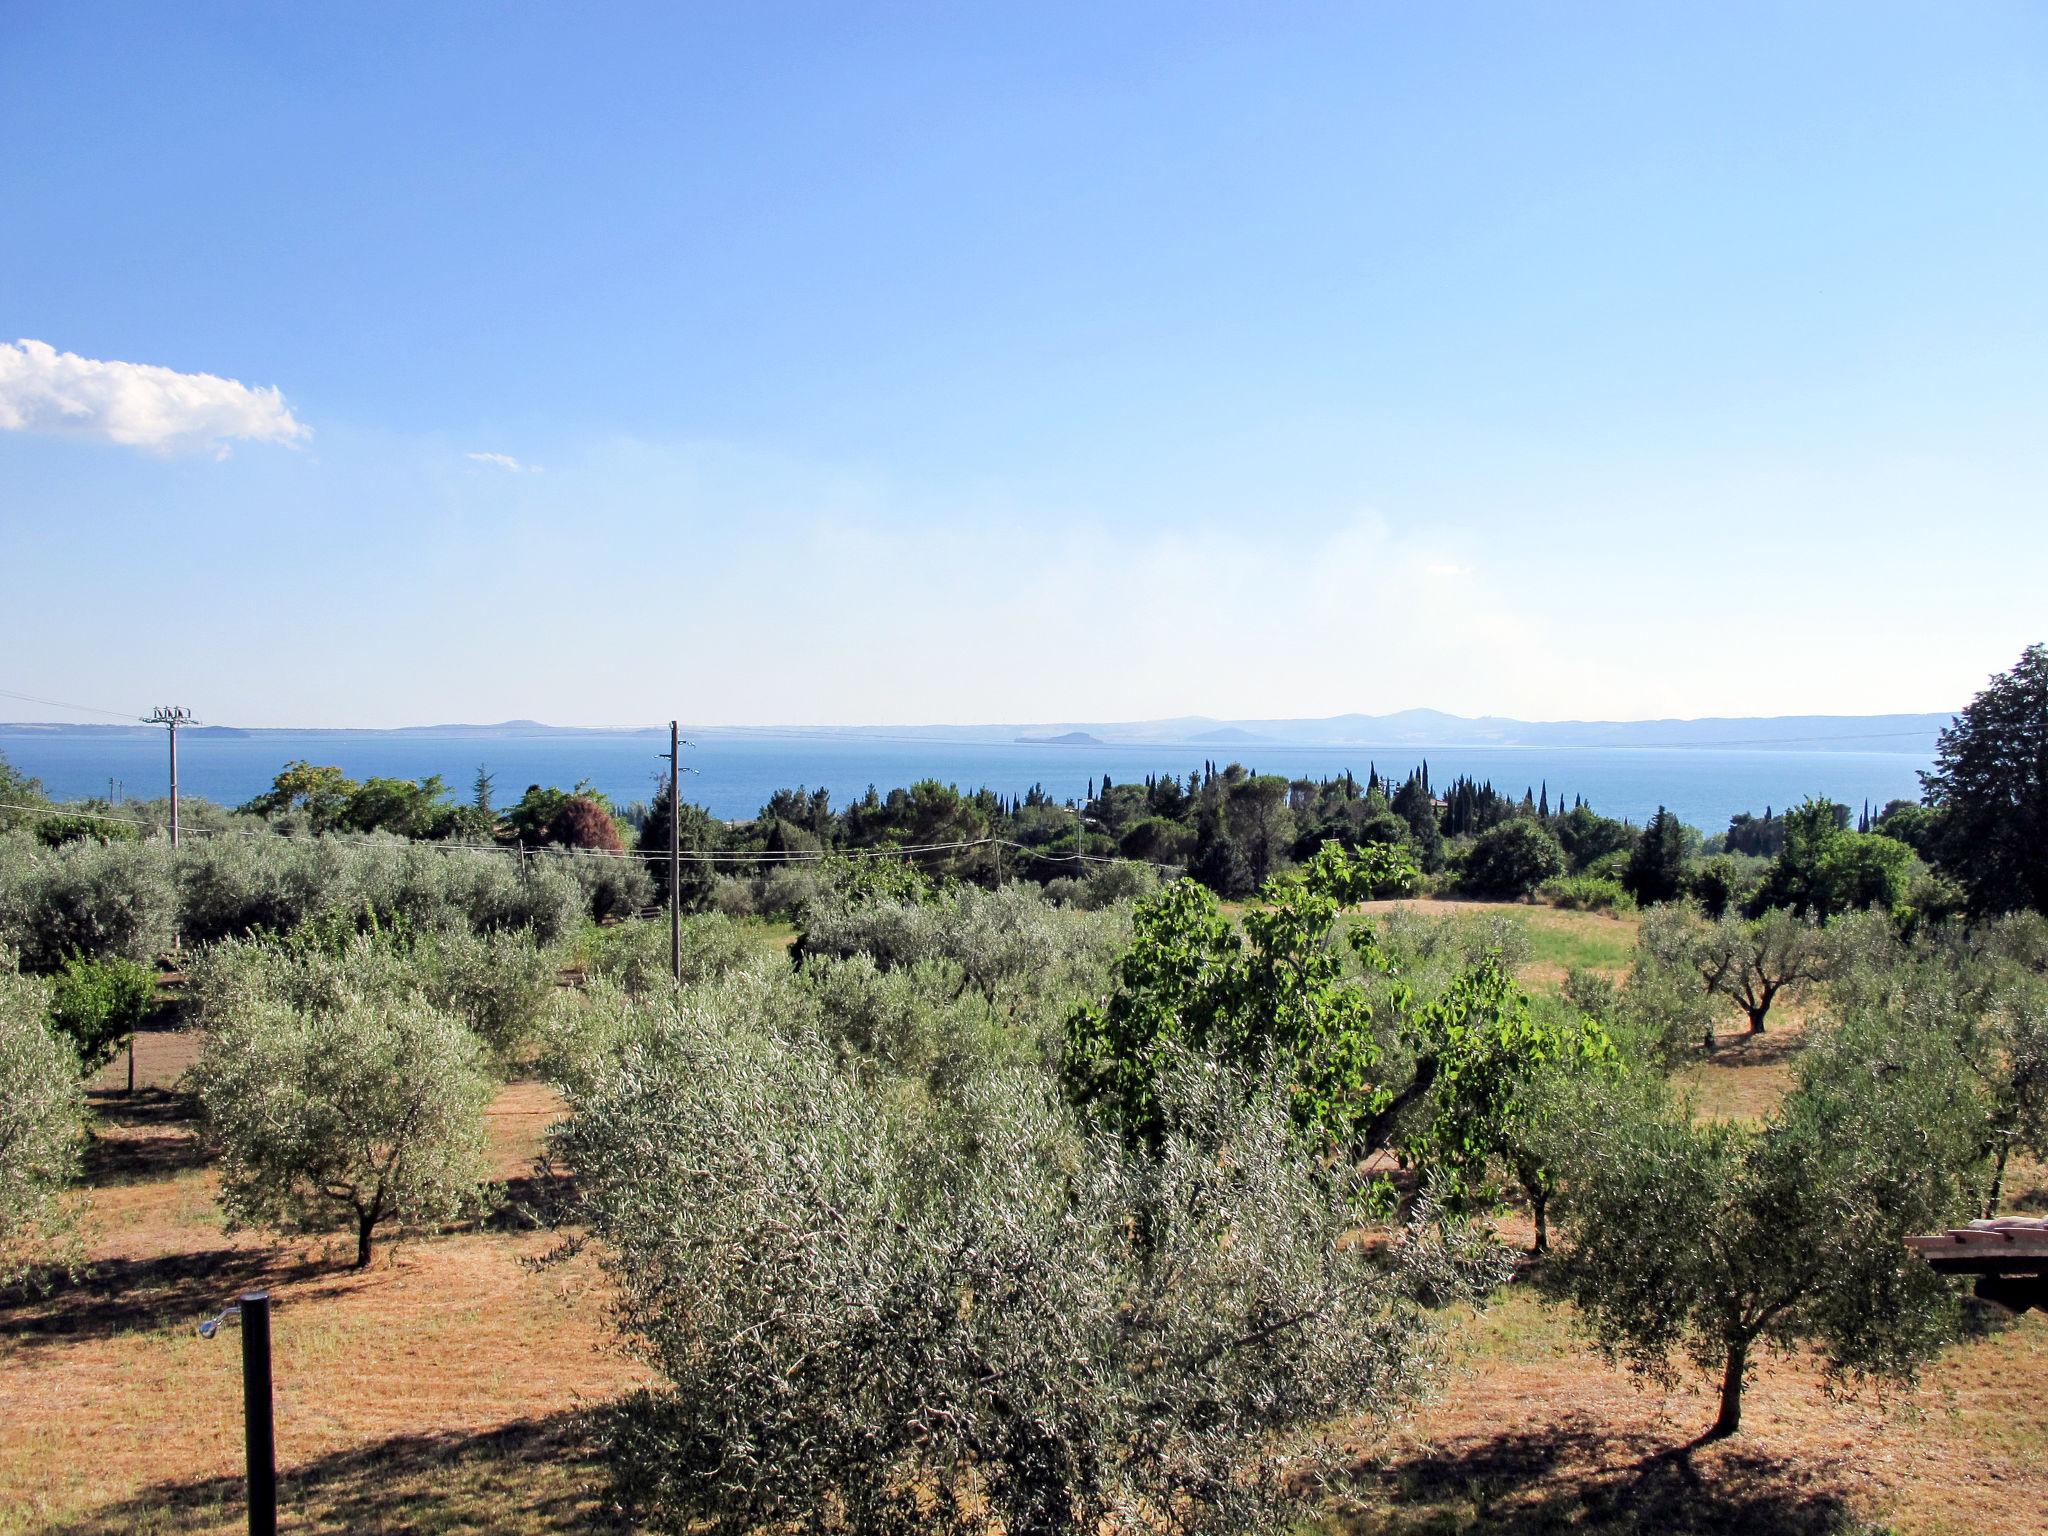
(140, 405)
(507, 462)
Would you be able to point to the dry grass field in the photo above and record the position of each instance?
(446, 1389)
(442, 1390)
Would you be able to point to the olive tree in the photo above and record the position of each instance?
(1707, 1241)
(1984, 988)
(1009, 945)
(367, 1113)
(88, 899)
(42, 1120)
(1683, 963)
(874, 1313)
(1753, 961)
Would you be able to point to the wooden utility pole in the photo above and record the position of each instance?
(675, 852)
(173, 716)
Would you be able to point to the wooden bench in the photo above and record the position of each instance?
(2009, 1256)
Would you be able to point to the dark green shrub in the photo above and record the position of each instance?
(611, 887)
(56, 831)
(1511, 860)
(1725, 883)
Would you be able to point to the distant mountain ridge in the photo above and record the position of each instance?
(1408, 728)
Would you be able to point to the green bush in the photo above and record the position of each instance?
(498, 984)
(1726, 882)
(874, 1315)
(98, 1004)
(636, 955)
(1588, 893)
(1104, 886)
(42, 1122)
(1012, 946)
(57, 830)
(611, 887)
(1609, 866)
(1511, 860)
(231, 886)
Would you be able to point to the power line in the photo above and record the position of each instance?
(86, 709)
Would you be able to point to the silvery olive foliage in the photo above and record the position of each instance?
(1104, 886)
(1009, 944)
(1713, 1240)
(85, 899)
(587, 1030)
(499, 984)
(636, 955)
(918, 1021)
(877, 1310)
(42, 1120)
(356, 1115)
(136, 899)
(610, 887)
(1429, 950)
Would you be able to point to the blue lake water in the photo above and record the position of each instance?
(733, 776)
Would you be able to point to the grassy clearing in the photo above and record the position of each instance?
(1560, 941)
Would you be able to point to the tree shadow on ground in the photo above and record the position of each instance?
(145, 1107)
(529, 1475)
(531, 1201)
(127, 1158)
(114, 1296)
(1582, 1477)
(1735, 1046)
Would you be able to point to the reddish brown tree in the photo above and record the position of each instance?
(583, 823)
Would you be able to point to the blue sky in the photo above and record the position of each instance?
(960, 362)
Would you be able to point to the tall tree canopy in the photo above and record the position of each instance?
(1990, 790)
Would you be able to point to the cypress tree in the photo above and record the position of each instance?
(1656, 870)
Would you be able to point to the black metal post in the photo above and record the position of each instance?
(256, 1421)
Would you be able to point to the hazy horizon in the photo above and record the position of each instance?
(1192, 720)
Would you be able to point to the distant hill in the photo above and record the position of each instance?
(1407, 729)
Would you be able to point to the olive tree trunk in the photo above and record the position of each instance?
(1730, 1419)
